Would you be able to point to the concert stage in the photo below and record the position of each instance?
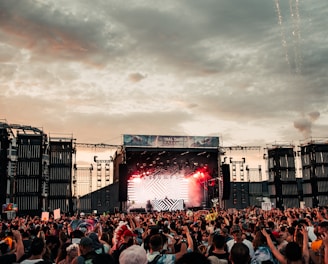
(172, 172)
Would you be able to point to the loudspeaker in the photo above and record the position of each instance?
(226, 181)
(123, 183)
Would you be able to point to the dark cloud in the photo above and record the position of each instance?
(171, 67)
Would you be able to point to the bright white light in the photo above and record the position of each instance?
(152, 187)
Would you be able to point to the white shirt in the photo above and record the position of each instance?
(31, 261)
(311, 233)
(248, 243)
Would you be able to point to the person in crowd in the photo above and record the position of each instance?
(294, 253)
(87, 253)
(262, 251)
(318, 248)
(237, 238)
(209, 248)
(283, 224)
(281, 239)
(156, 245)
(52, 248)
(71, 252)
(97, 246)
(38, 248)
(324, 236)
(76, 236)
(62, 253)
(310, 228)
(26, 241)
(225, 232)
(219, 252)
(127, 240)
(246, 232)
(106, 239)
(239, 253)
(19, 252)
(134, 254)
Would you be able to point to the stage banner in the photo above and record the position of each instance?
(170, 141)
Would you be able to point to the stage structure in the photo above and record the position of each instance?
(169, 172)
(60, 173)
(314, 156)
(6, 179)
(30, 178)
(283, 188)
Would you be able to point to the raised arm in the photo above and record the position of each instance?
(305, 250)
(273, 248)
(324, 237)
(19, 244)
(184, 244)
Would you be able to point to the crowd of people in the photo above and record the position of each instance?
(215, 236)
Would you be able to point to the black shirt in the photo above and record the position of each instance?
(8, 259)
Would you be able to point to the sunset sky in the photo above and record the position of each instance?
(251, 72)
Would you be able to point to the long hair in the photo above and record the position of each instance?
(259, 240)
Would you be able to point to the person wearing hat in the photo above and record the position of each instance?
(97, 245)
(238, 238)
(87, 253)
(246, 232)
(128, 239)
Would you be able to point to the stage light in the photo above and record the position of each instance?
(136, 180)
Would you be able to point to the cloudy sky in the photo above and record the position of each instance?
(251, 72)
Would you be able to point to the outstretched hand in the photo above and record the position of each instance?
(265, 233)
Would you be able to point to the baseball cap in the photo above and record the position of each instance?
(235, 229)
(275, 234)
(245, 226)
(86, 241)
(128, 233)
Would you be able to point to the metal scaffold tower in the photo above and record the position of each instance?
(224, 149)
(97, 145)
